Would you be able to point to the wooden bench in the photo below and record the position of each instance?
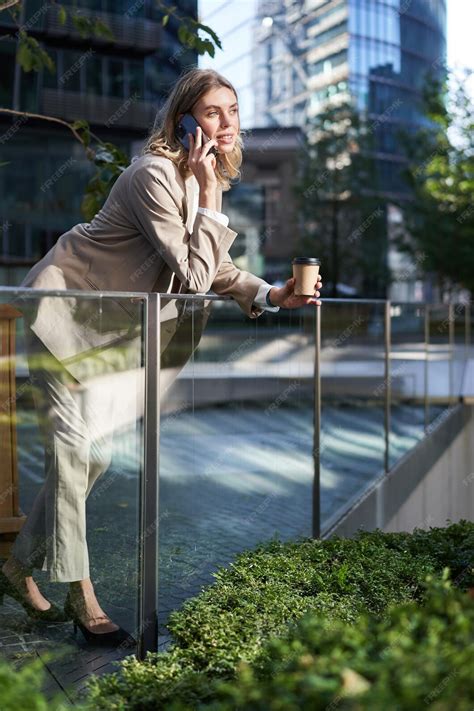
(11, 518)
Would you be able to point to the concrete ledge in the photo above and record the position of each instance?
(430, 484)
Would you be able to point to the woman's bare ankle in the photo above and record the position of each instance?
(82, 595)
(88, 608)
(20, 577)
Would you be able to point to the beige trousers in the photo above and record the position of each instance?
(77, 452)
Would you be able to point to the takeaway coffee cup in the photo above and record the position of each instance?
(305, 272)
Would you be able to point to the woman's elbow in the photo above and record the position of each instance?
(198, 283)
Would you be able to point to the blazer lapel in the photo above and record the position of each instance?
(191, 184)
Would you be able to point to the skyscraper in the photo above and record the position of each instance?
(116, 84)
(376, 51)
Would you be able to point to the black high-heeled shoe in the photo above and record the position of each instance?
(116, 638)
(52, 614)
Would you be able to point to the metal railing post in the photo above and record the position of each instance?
(388, 384)
(317, 429)
(148, 546)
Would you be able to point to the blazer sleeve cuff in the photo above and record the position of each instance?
(217, 216)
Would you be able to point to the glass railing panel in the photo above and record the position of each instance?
(408, 377)
(353, 391)
(236, 438)
(72, 444)
(440, 371)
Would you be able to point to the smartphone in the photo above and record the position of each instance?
(188, 124)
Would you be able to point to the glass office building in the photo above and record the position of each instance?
(292, 59)
(376, 51)
(115, 84)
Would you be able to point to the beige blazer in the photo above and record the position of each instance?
(141, 240)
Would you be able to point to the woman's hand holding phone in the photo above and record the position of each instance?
(203, 165)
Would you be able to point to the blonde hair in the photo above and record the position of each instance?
(162, 140)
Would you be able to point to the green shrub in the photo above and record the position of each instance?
(267, 589)
(417, 657)
(20, 687)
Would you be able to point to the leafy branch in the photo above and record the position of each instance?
(188, 31)
(31, 56)
(8, 4)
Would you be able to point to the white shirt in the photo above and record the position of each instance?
(260, 299)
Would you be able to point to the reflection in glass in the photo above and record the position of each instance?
(236, 439)
(353, 392)
(440, 378)
(408, 377)
(75, 419)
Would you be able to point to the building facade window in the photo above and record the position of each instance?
(7, 63)
(332, 32)
(316, 21)
(328, 63)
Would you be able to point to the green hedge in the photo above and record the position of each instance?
(273, 586)
(416, 657)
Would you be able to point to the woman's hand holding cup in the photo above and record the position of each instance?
(302, 288)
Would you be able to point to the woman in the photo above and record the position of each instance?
(160, 230)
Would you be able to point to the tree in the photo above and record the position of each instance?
(341, 213)
(439, 220)
(107, 158)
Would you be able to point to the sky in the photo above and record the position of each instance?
(459, 36)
